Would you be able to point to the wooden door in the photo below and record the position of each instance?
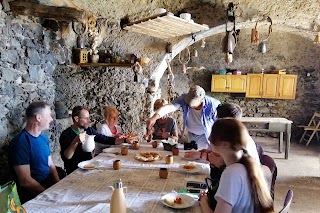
(254, 85)
(287, 86)
(237, 83)
(219, 83)
(270, 86)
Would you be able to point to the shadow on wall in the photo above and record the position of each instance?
(5, 171)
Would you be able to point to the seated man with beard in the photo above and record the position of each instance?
(71, 151)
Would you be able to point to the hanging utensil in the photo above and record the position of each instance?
(229, 42)
(262, 46)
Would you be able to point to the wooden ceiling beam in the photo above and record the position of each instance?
(47, 12)
(58, 3)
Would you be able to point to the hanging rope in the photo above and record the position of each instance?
(184, 63)
(170, 82)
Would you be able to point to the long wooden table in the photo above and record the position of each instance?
(271, 124)
(88, 190)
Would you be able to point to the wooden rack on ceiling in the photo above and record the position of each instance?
(165, 26)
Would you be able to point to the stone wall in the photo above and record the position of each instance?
(36, 64)
(27, 62)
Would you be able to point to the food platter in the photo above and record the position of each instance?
(178, 200)
(88, 164)
(131, 136)
(147, 156)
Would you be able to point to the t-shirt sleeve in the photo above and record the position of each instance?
(178, 102)
(229, 187)
(64, 141)
(20, 151)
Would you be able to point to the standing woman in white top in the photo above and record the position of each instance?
(109, 126)
(242, 186)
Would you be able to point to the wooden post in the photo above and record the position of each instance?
(47, 12)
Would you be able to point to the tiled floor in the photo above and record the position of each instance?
(301, 173)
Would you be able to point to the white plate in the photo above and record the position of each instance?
(168, 200)
(111, 150)
(196, 168)
(92, 164)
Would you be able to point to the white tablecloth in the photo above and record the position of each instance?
(89, 191)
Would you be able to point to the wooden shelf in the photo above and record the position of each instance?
(164, 26)
(104, 65)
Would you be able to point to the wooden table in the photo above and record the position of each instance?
(271, 124)
(88, 190)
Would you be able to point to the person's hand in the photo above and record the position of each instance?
(120, 135)
(203, 196)
(119, 141)
(147, 137)
(192, 155)
(151, 121)
(129, 141)
(215, 159)
(82, 137)
(164, 135)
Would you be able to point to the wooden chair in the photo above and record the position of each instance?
(312, 129)
(287, 202)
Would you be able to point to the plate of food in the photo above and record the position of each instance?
(177, 200)
(190, 168)
(88, 164)
(147, 156)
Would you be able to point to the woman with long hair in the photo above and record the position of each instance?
(242, 186)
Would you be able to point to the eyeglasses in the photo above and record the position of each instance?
(86, 118)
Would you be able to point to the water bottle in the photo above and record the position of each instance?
(118, 200)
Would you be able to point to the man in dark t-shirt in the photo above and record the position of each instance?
(71, 151)
(29, 154)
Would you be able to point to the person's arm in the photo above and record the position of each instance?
(215, 103)
(102, 138)
(53, 171)
(174, 134)
(68, 153)
(160, 113)
(221, 207)
(205, 208)
(26, 181)
(215, 159)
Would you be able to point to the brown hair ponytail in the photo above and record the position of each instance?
(262, 200)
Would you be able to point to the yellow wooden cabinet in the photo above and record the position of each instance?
(273, 86)
(228, 83)
(287, 86)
